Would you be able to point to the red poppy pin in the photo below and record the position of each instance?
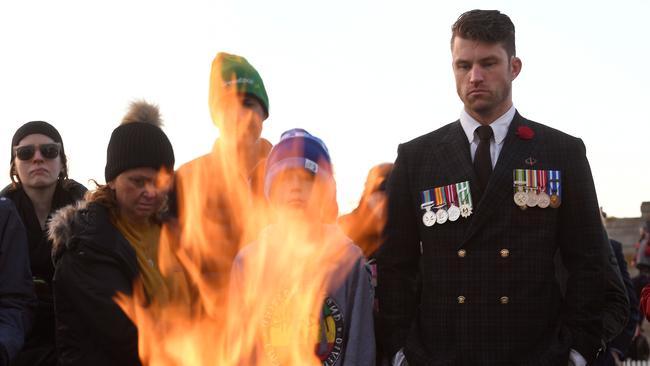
(525, 133)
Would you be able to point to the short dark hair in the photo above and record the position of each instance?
(489, 26)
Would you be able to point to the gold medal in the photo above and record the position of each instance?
(555, 201)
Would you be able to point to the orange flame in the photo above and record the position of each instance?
(268, 312)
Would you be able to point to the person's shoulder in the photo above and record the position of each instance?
(194, 163)
(74, 188)
(347, 222)
(6, 204)
(79, 220)
(550, 135)
(7, 209)
(337, 237)
(9, 191)
(432, 136)
(616, 245)
(246, 251)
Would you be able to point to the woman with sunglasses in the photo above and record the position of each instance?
(109, 244)
(40, 186)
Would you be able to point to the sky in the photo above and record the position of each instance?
(364, 75)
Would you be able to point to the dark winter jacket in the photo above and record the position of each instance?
(17, 299)
(40, 248)
(93, 263)
(622, 341)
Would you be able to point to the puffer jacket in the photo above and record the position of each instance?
(93, 262)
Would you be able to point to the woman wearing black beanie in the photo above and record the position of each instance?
(110, 241)
(40, 186)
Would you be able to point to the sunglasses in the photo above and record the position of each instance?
(48, 151)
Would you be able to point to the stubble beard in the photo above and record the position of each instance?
(491, 108)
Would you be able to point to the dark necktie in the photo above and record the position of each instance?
(482, 160)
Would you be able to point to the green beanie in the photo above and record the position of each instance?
(229, 69)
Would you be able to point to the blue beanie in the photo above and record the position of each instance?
(298, 149)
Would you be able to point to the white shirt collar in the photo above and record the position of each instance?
(499, 126)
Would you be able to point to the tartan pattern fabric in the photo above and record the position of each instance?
(421, 274)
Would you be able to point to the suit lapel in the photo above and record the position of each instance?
(499, 189)
(453, 157)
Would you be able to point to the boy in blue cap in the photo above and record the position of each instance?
(308, 259)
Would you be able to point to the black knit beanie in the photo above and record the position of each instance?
(138, 143)
(34, 127)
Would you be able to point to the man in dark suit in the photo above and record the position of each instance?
(469, 279)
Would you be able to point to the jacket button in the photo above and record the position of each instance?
(462, 253)
(461, 299)
(505, 253)
(504, 300)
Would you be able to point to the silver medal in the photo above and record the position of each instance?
(441, 216)
(521, 198)
(543, 200)
(532, 198)
(429, 218)
(453, 212)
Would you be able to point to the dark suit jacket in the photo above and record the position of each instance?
(421, 274)
(624, 338)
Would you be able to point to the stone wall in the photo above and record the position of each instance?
(626, 230)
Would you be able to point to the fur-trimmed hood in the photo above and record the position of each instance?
(65, 224)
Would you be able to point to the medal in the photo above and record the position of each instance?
(454, 213)
(531, 199)
(543, 199)
(555, 201)
(555, 188)
(520, 196)
(441, 216)
(452, 197)
(464, 198)
(441, 202)
(429, 218)
(465, 210)
(531, 188)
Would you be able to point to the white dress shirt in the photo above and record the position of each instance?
(499, 127)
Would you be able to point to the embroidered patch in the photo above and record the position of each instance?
(330, 333)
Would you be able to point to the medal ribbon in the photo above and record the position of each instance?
(440, 197)
(531, 180)
(427, 199)
(450, 192)
(554, 179)
(464, 194)
(541, 179)
(519, 176)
